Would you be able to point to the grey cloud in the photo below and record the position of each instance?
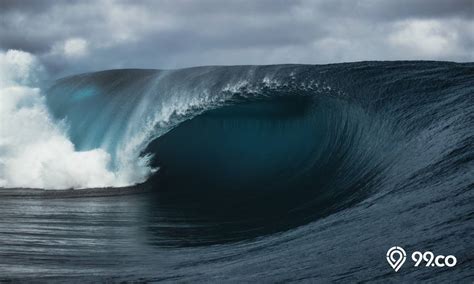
(400, 9)
(26, 5)
(79, 36)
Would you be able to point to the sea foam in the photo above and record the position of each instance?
(35, 150)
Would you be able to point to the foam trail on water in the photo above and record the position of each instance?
(35, 151)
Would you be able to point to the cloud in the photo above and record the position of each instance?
(425, 38)
(78, 36)
(71, 48)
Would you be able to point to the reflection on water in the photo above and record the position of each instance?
(86, 236)
(56, 236)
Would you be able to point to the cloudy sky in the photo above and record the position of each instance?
(79, 36)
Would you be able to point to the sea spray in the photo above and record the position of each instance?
(35, 150)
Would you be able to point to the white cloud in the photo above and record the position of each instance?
(75, 47)
(425, 38)
(72, 48)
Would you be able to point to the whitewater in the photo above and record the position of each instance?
(35, 150)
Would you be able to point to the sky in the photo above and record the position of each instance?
(71, 37)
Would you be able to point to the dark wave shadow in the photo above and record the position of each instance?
(259, 167)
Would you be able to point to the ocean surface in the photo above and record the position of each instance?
(251, 174)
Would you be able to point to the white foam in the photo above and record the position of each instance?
(34, 150)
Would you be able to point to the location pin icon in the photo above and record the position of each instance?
(396, 256)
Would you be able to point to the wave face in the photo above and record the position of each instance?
(293, 142)
(263, 126)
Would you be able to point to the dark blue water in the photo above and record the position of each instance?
(270, 173)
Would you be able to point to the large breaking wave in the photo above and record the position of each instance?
(277, 127)
(265, 121)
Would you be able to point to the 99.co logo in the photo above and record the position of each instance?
(432, 260)
(396, 257)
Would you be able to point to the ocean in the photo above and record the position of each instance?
(279, 173)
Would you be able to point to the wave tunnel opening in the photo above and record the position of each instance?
(263, 165)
